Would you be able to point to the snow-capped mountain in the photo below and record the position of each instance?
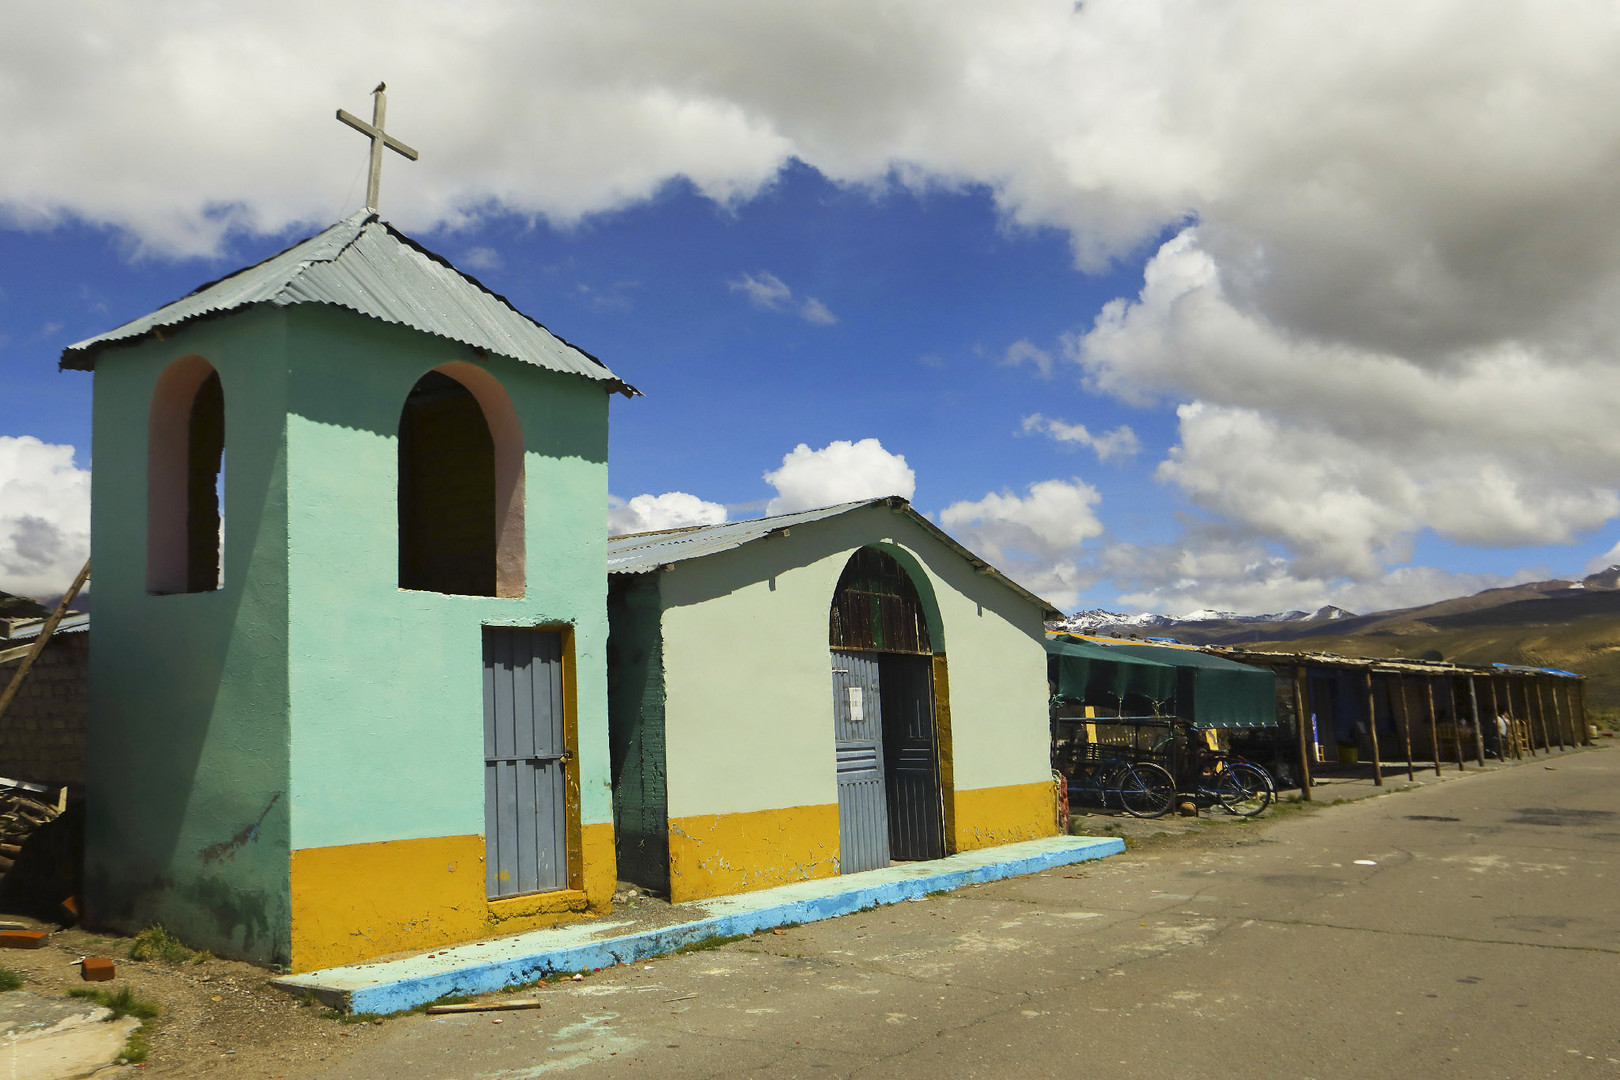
(1086, 622)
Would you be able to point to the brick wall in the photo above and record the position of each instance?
(42, 734)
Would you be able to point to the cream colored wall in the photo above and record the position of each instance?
(748, 678)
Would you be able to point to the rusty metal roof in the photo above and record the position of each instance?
(367, 266)
(640, 553)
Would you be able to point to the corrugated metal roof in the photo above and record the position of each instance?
(366, 265)
(639, 553)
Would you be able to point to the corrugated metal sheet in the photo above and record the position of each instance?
(639, 553)
(364, 264)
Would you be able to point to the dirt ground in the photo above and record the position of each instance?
(220, 1018)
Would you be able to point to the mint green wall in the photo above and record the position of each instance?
(187, 810)
(748, 675)
(229, 728)
(386, 685)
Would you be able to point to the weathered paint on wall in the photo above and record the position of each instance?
(187, 773)
(359, 901)
(716, 854)
(311, 705)
(414, 719)
(986, 817)
(748, 680)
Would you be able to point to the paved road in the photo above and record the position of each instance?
(1465, 929)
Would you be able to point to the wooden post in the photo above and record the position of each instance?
(1372, 731)
(44, 635)
(1550, 729)
(1456, 720)
(1479, 732)
(1545, 691)
(1496, 728)
(1580, 700)
(1302, 712)
(1406, 724)
(1564, 726)
(1434, 725)
(1529, 730)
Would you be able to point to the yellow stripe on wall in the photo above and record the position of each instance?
(986, 817)
(718, 854)
(360, 901)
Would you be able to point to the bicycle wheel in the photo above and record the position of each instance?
(1243, 788)
(1145, 790)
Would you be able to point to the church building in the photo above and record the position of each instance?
(348, 690)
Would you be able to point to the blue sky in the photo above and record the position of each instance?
(1157, 317)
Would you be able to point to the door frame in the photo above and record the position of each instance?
(572, 830)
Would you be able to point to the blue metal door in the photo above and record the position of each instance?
(863, 813)
(525, 758)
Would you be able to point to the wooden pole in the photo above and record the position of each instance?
(1302, 712)
(1434, 725)
(1586, 721)
(1496, 728)
(1372, 731)
(1406, 724)
(44, 635)
(1456, 720)
(1550, 730)
(1543, 691)
(1564, 725)
(1529, 730)
(1479, 732)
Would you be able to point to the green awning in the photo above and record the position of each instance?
(1090, 674)
(1210, 691)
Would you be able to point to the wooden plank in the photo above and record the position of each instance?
(45, 633)
(1372, 732)
(484, 1006)
(1434, 727)
(1301, 700)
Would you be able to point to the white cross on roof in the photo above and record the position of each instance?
(379, 139)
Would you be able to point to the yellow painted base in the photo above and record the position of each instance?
(361, 901)
(987, 817)
(718, 854)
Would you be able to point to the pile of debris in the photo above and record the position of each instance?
(24, 807)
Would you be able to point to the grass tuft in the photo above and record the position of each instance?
(125, 1002)
(156, 943)
(9, 980)
(708, 943)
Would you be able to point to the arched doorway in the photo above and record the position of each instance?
(887, 749)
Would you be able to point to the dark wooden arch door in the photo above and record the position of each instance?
(889, 795)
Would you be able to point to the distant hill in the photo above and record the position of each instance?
(1565, 624)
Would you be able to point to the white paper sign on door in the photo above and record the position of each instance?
(855, 713)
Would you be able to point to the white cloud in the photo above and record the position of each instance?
(814, 311)
(480, 258)
(1026, 352)
(1224, 572)
(1344, 453)
(839, 472)
(764, 290)
(671, 510)
(1405, 282)
(44, 517)
(768, 292)
(1034, 538)
(1119, 443)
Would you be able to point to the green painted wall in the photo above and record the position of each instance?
(386, 684)
(748, 675)
(311, 702)
(636, 730)
(187, 767)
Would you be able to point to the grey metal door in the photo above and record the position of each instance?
(916, 825)
(525, 803)
(863, 813)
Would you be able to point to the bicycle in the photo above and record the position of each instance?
(1225, 780)
(1144, 790)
